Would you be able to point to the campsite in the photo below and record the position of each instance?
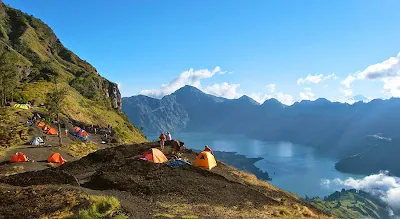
(149, 189)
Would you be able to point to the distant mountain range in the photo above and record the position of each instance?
(339, 130)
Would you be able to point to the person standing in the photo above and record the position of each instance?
(66, 132)
(162, 141)
(206, 148)
(169, 137)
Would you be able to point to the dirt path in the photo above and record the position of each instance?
(39, 154)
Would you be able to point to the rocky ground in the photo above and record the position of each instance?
(148, 190)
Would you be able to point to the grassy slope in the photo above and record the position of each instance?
(352, 205)
(40, 54)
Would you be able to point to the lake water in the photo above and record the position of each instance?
(292, 167)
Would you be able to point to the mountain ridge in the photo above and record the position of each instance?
(34, 60)
(334, 129)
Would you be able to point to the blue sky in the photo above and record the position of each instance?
(234, 47)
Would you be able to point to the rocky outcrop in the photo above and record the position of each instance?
(114, 95)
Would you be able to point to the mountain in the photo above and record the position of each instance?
(334, 129)
(352, 204)
(359, 97)
(381, 154)
(32, 58)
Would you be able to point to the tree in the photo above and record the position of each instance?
(55, 102)
(8, 76)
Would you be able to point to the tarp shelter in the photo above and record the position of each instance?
(76, 134)
(21, 106)
(77, 129)
(41, 124)
(18, 157)
(46, 127)
(155, 156)
(36, 141)
(82, 133)
(176, 163)
(55, 158)
(205, 160)
(52, 131)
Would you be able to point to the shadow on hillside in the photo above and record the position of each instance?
(4, 163)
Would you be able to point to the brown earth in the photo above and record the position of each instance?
(148, 190)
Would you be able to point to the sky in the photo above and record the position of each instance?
(283, 49)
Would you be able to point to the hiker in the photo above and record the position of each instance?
(169, 137)
(66, 132)
(162, 140)
(95, 129)
(206, 148)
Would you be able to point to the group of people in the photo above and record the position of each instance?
(176, 144)
(164, 137)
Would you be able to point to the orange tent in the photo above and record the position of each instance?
(55, 158)
(205, 160)
(47, 127)
(83, 133)
(19, 157)
(155, 156)
(76, 129)
(52, 131)
(41, 124)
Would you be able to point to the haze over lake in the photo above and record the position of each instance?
(297, 168)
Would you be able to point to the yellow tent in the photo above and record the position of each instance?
(205, 160)
(21, 106)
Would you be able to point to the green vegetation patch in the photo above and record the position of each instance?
(351, 204)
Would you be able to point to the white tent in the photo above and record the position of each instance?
(36, 141)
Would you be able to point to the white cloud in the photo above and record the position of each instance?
(190, 77)
(387, 69)
(316, 78)
(224, 90)
(346, 92)
(382, 185)
(391, 86)
(271, 88)
(286, 99)
(307, 94)
(348, 81)
(119, 84)
(259, 97)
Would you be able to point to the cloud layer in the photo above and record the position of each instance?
(389, 68)
(286, 99)
(315, 78)
(224, 89)
(382, 185)
(190, 77)
(307, 94)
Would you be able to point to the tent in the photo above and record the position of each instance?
(41, 124)
(52, 131)
(36, 141)
(83, 133)
(205, 160)
(21, 106)
(46, 127)
(55, 158)
(18, 157)
(77, 129)
(155, 156)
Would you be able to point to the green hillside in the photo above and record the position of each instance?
(351, 204)
(32, 58)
